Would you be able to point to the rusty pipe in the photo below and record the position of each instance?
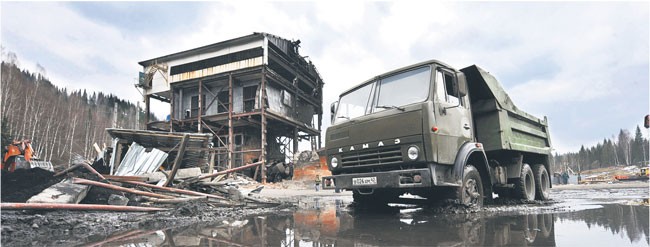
(65, 206)
(119, 188)
(180, 191)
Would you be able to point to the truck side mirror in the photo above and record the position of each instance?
(333, 111)
(462, 84)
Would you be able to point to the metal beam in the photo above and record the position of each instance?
(146, 108)
(295, 142)
(171, 110)
(200, 126)
(263, 137)
(161, 98)
(291, 122)
(230, 127)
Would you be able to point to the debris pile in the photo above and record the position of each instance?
(149, 170)
(86, 189)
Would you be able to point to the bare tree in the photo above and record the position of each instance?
(624, 145)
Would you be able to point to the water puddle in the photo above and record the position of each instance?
(332, 223)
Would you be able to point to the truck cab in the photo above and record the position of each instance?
(414, 130)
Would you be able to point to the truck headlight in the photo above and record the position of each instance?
(334, 162)
(413, 152)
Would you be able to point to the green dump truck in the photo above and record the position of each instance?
(439, 133)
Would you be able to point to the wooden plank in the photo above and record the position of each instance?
(178, 160)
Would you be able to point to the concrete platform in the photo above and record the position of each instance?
(63, 192)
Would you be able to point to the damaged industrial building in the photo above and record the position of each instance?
(255, 97)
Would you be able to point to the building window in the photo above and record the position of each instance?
(286, 98)
(249, 98)
(223, 104)
(194, 106)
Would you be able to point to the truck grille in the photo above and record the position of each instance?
(383, 156)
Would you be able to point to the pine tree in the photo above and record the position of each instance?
(637, 149)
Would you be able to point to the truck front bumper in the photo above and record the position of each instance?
(412, 178)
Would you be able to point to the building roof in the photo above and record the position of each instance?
(278, 41)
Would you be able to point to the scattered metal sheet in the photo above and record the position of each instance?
(196, 152)
(140, 161)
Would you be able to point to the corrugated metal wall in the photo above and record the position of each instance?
(303, 112)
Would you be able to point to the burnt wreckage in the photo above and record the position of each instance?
(255, 94)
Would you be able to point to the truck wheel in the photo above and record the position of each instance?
(471, 191)
(542, 182)
(525, 185)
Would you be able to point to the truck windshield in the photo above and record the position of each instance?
(392, 92)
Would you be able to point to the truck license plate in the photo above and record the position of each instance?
(364, 181)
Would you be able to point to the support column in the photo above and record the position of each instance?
(137, 115)
(320, 113)
(320, 132)
(295, 142)
(263, 111)
(200, 127)
(211, 164)
(171, 110)
(147, 109)
(230, 128)
(115, 115)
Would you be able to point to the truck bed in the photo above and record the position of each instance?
(499, 124)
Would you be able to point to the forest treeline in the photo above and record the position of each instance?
(61, 122)
(57, 121)
(624, 149)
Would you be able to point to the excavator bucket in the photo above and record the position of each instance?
(22, 163)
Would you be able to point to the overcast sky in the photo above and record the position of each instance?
(584, 65)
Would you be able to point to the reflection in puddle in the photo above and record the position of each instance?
(329, 224)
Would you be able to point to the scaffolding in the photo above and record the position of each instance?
(256, 94)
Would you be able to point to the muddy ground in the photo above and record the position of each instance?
(70, 228)
(64, 228)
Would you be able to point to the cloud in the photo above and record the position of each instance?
(570, 61)
(83, 54)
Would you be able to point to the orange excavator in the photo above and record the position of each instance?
(643, 174)
(20, 155)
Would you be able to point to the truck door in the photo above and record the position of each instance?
(453, 117)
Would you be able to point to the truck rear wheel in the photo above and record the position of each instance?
(542, 182)
(471, 191)
(525, 185)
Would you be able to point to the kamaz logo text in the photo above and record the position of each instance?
(367, 145)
